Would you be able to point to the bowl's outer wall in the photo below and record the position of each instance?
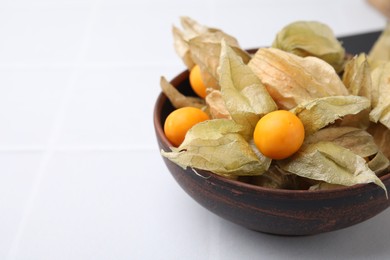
(273, 211)
(281, 213)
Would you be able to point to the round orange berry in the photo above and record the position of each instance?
(196, 82)
(279, 134)
(180, 121)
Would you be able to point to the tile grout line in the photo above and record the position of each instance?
(53, 137)
(214, 238)
(89, 64)
(80, 148)
(214, 224)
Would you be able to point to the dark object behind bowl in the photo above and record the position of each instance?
(282, 212)
(356, 44)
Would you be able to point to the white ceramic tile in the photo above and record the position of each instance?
(26, 4)
(18, 171)
(160, 5)
(256, 24)
(29, 101)
(115, 205)
(34, 35)
(349, 243)
(121, 205)
(138, 34)
(112, 106)
(358, 16)
(78, 84)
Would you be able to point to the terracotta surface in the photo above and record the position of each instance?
(282, 212)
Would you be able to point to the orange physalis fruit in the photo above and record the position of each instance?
(279, 134)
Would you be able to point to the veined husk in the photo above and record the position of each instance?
(311, 38)
(245, 97)
(381, 135)
(357, 76)
(216, 105)
(357, 79)
(190, 30)
(201, 45)
(380, 100)
(218, 146)
(355, 139)
(318, 113)
(206, 51)
(276, 178)
(338, 156)
(331, 155)
(177, 99)
(358, 141)
(329, 162)
(291, 79)
(380, 52)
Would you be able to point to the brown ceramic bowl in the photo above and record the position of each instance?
(276, 211)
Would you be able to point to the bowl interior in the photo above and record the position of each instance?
(162, 109)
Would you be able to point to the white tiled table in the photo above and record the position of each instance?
(80, 172)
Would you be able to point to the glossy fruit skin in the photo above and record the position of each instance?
(279, 134)
(196, 82)
(180, 121)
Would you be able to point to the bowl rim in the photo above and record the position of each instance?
(158, 125)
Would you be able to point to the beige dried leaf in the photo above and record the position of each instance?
(246, 99)
(358, 141)
(217, 105)
(331, 163)
(206, 50)
(381, 136)
(218, 146)
(380, 100)
(177, 99)
(318, 113)
(380, 52)
(191, 29)
(199, 44)
(291, 79)
(311, 38)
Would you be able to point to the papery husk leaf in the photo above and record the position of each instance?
(218, 146)
(205, 51)
(357, 140)
(357, 79)
(320, 112)
(199, 44)
(216, 104)
(275, 178)
(291, 79)
(310, 38)
(245, 97)
(380, 51)
(325, 186)
(359, 120)
(177, 99)
(357, 76)
(180, 44)
(191, 29)
(379, 164)
(381, 136)
(381, 95)
(331, 163)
